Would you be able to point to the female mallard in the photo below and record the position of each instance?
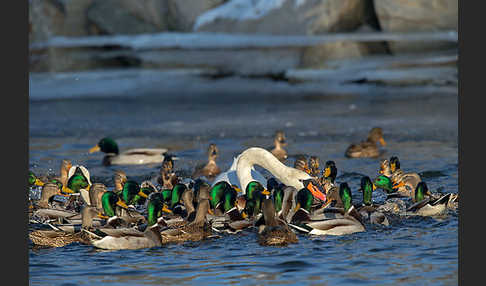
(279, 141)
(314, 166)
(167, 178)
(349, 223)
(129, 157)
(119, 178)
(196, 230)
(60, 238)
(404, 182)
(211, 169)
(368, 210)
(302, 164)
(93, 196)
(135, 240)
(367, 148)
(426, 206)
(329, 175)
(274, 232)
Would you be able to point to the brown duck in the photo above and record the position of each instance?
(367, 148)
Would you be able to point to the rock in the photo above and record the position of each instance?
(57, 18)
(154, 12)
(183, 13)
(416, 16)
(284, 17)
(124, 17)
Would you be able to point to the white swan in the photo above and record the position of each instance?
(242, 172)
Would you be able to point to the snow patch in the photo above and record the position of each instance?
(239, 10)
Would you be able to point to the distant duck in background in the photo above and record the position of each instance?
(129, 157)
(211, 169)
(368, 148)
(280, 142)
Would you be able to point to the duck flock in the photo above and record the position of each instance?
(294, 201)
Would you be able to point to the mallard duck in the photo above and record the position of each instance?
(196, 230)
(222, 198)
(93, 196)
(48, 191)
(119, 179)
(136, 240)
(211, 169)
(386, 184)
(34, 180)
(66, 165)
(254, 195)
(349, 223)
(129, 157)
(426, 206)
(131, 193)
(329, 175)
(314, 166)
(367, 148)
(368, 210)
(60, 238)
(118, 212)
(404, 182)
(284, 201)
(279, 141)
(155, 208)
(167, 177)
(274, 232)
(301, 164)
(78, 178)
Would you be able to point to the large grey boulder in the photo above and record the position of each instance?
(183, 13)
(284, 17)
(416, 16)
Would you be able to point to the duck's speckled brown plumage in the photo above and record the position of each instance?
(367, 148)
(211, 169)
(275, 232)
(280, 142)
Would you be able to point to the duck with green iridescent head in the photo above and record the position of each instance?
(425, 205)
(368, 210)
(34, 180)
(222, 198)
(136, 156)
(131, 193)
(155, 208)
(368, 148)
(349, 223)
(254, 195)
(78, 178)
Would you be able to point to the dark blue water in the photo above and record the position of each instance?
(422, 131)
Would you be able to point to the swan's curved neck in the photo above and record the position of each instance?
(263, 158)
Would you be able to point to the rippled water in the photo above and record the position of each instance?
(421, 130)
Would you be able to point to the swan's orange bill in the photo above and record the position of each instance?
(382, 141)
(316, 192)
(94, 149)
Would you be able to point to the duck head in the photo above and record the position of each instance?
(280, 140)
(394, 164)
(130, 191)
(330, 171)
(367, 187)
(105, 145)
(78, 178)
(420, 191)
(345, 195)
(34, 181)
(384, 183)
(376, 135)
(213, 152)
(155, 208)
(385, 168)
(109, 201)
(176, 197)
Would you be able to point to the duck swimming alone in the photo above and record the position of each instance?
(211, 169)
(279, 141)
(129, 157)
(367, 148)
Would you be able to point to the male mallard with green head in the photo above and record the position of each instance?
(367, 148)
(129, 157)
(425, 205)
(349, 223)
(368, 210)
